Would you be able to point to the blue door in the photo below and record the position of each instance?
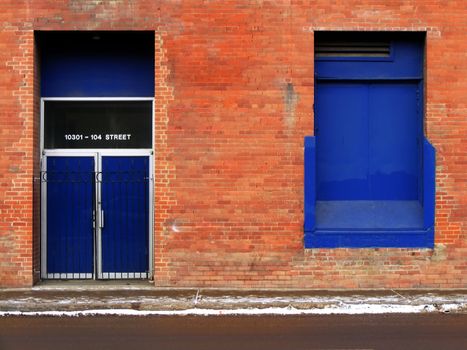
(69, 219)
(125, 217)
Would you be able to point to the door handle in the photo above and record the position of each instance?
(102, 219)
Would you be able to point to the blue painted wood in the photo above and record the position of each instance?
(420, 142)
(369, 215)
(394, 130)
(119, 64)
(125, 201)
(70, 192)
(429, 183)
(341, 141)
(370, 176)
(310, 183)
(369, 239)
(366, 140)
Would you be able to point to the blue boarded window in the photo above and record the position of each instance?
(369, 171)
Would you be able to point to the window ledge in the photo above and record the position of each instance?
(373, 215)
(358, 238)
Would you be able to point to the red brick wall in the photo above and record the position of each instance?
(16, 147)
(234, 96)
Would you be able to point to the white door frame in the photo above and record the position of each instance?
(125, 275)
(97, 153)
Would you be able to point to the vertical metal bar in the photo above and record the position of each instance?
(150, 212)
(128, 238)
(124, 208)
(98, 204)
(139, 185)
(146, 194)
(139, 204)
(84, 178)
(140, 207)
(93, 180)
(124, 215)
(112, 247)
(74, 218)
(118, 180)
(43, 218)
(90, 183)
(82, 223)
(69, 218)
(75, 240)
(127, 226)
(132, 234)
(79, 228)
(127, 219)
(114, 234)
(69, 255)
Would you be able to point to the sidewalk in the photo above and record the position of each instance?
(141, 298)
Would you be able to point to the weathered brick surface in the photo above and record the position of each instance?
(234, 96)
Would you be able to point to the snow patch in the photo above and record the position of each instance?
(349, 309)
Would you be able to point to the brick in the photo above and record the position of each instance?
(228, 163)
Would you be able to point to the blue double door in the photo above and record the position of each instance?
(368, 140)
(96, 216)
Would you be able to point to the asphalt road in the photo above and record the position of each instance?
(429, 331)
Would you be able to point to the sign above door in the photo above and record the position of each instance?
(91, 124)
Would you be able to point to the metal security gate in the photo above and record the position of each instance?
(95, 215)
(124, 221)
(69, 216)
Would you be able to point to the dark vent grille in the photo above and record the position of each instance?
(352, 49)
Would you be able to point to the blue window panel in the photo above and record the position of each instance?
(125, 202)
(119, 64)
(342, 141)
(368, 137)
(393, 141)
(70, 192)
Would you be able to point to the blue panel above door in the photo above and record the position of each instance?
(405, 60)
(125, 202)
(96, 64)
(70, 234)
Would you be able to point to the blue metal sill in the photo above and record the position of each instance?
(369, 215)
(360, 224)
(410, 238)
(369, 224)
